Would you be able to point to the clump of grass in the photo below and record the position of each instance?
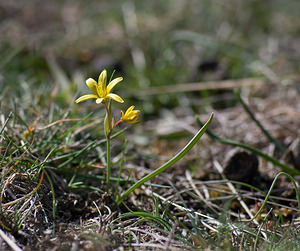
(171, 211)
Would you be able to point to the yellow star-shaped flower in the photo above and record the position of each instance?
(100, 90)
(130, 116)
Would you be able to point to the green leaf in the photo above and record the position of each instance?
(171, 162)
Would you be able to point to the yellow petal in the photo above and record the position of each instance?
(101, 90)
(129, 110)
(113, 83)
(135, 113)
(85, 97)
(102, 83)
(115, 97)
(133, 121)
(102, 77)
(130, 120)
(92, 84)
(132, 116)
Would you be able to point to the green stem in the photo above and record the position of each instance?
(108, 114)
(107, 133)
(172, 161)
(108, 160)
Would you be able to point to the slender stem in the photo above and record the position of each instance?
(118, 122)
(108, 160)
(172, 161)
(108, 118)
(108, 155)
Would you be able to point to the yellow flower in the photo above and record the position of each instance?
(100, 90)
(130, 115)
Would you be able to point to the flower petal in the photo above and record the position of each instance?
(102, 83)
(132, 115)
(102, 77)
(113, 83)
(101, 90)
(132, 121)
(99, 100)
(86, 97)
(135, 113)
(92, 84)
(115, 97)
(129, 110)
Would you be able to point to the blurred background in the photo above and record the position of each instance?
(49, 48)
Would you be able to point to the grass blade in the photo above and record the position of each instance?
(172, 161)
(271, 188)
(146, 215)
(5, 123)
(276, 162)
(257, 122)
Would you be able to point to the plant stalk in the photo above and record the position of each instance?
(108, 160)
(108, 155)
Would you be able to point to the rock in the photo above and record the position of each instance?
(242, 166)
